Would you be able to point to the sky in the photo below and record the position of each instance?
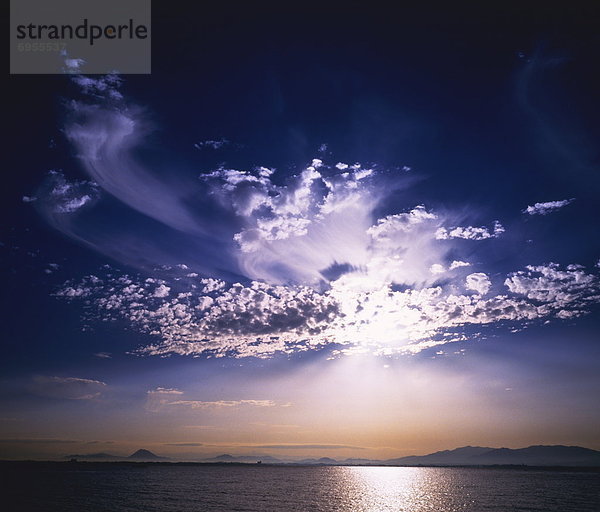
(309, 232)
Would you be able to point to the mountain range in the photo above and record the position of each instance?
(138, 456)
(556, 455)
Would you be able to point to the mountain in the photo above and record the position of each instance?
(359, 462)
(226, 457)
(458, 456)
(542, 456)
(481, 456)
(145, 455)
(322, 460)
(557, 455)
(141, 455)
(94, 456)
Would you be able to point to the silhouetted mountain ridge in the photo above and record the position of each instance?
(145, 455)
(139, 455)
(540, 455)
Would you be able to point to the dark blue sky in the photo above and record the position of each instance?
(364, 175)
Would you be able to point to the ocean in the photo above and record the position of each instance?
(106, 487)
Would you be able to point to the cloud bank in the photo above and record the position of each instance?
(257, 262)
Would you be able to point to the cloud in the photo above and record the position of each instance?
(550, 284)
(478, 282)
(70, 388)
(457, 264)
(101, 87)
(60, 196)
(357, 312)
(161, 291)
(37, 441)
(184, 444)
(548, 207)
(159, 397)
(219, 404)
(305, 447)
(294, 231)
(213, 144)
(164, 391)
(254, 262)
(470, 232)
(103, 355)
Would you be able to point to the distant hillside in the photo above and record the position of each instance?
(531, 456)
(457, 456)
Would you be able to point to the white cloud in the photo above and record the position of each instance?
(547, 207)
(470, 232)
(164, 391)
(296, 230)
(61, 196)
(316, 266)
(550, 284)
(99, 87)
(478, 282)
(356, 312)
(457, 264)
(161, 291)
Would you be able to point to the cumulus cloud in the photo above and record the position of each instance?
(478, 282)
(548, 207)
(550, 284)
(356, 312)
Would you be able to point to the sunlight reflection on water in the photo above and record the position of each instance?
(399, 489)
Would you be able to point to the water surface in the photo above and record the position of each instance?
(94, 487)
